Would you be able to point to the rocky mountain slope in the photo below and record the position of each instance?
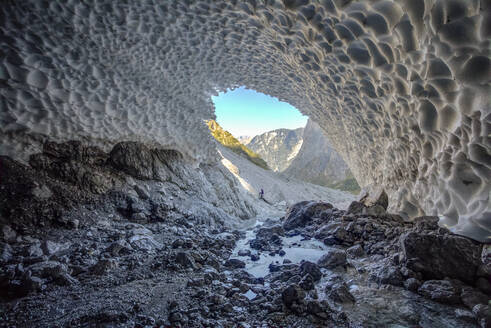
(228, 140)
(278, 147)
(317, 161)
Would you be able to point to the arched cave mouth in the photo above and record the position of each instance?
(116, 207)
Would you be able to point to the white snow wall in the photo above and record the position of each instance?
(402, 88)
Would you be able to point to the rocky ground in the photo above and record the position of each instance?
(75, 255)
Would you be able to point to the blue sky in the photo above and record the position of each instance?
(247, 112)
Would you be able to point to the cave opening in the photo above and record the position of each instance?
(118, 208)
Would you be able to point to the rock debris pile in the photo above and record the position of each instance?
(401, 87)
(111, 251)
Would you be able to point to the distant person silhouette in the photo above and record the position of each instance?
(261, 194)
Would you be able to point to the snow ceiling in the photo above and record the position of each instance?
(402, 88)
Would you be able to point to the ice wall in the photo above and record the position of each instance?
(401, 87)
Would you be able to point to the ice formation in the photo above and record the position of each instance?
(401, 87)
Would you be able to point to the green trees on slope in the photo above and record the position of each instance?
(229, 141)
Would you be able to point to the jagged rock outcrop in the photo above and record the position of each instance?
(317, 161)
(277, 147)
(400, 87)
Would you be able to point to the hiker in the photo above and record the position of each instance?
(261, 194)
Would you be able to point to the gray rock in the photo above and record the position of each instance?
(390, 275)
(440, 256)
(412, 284)
(426, 222)
(244, 252)
(307, 282)
(119, 247)
(185, 260)
(333, 258)
(7, 234)
(355, 252)
(374, 195)
(302, 213)
(103, 267)
(144, 242)
(6, 252)
(310, 268)
(465, 315)
(339, 292)
(292, 294)
(484, 284)
(50, 247)
(33, 250)
(235, 264)
(483, 314)
(142, 193)
(442, 291)
(471, 297)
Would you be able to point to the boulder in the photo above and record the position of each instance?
(300, 214)
(307, 267)
(292, 294)
(185, 260)
(355, 252)
(440, 256)
(442, 291)
(412, 284)
(332, 259)
(471, 297)
(339, 292)
(235, 264)
(389, 275)
(374, 195)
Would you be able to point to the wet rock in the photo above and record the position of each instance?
(302, 213)
(442, 291)
(7, 234)
(235, 264)
(185, 260)
(326, 230)
(339, 292)
(307, 282)
(244, 252)
(312, 269)
(440, 256)
(390, 275)
(332, 259)
(254, 257)
(292, 294)
(267, 232)
(412, 284)
(274, 268)
(355, 252)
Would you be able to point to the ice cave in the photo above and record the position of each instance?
(118, 207)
